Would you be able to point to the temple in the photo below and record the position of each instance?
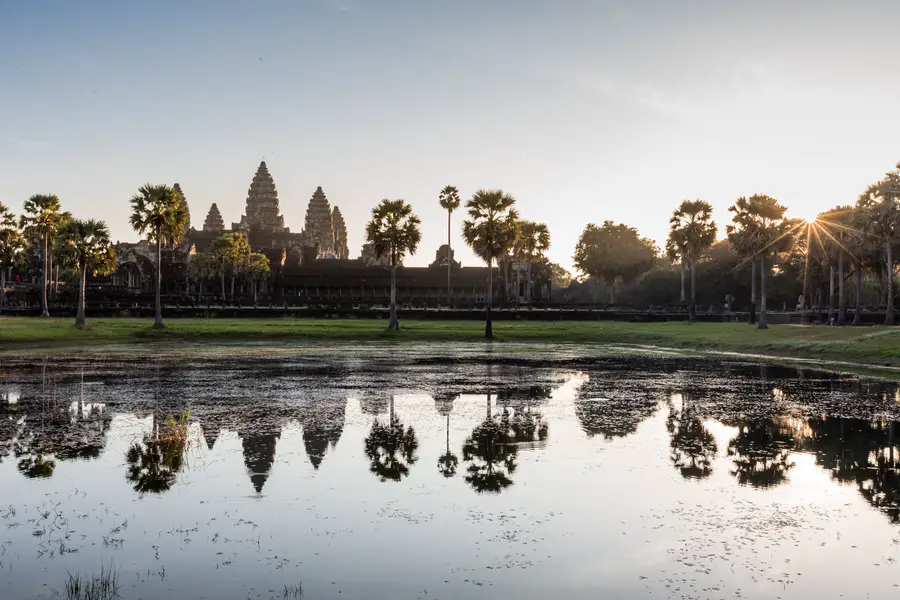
(313, 264)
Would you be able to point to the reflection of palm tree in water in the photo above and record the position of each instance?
(154, 463)
(391, 447)
(447, 462)
(761, 454)
(491, 453)
(693, 448)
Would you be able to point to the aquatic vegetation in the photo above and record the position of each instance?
(104, 586)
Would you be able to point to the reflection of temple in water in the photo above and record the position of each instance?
(259, 455)
(323, 424)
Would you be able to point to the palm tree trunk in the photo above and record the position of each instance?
(45, 312)
(889, 310)
(830, 292)
(518, 284)
(232, 286)
(158, 321)
(253, 283)
(449, 263)
(488, 326)
(840, 313)
(611, 284)
(528, 284)
(683, 295)
(2, 288)
(224, 297)
(857, 316)
(693, 309)
(79, 316)
(56, 280)
(393, 322)
(50, 295)
(753, 290)
(762, 293)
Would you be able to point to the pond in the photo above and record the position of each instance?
(373, 472)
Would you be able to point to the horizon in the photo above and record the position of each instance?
(584, 112)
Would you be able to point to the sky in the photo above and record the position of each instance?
(582, 110)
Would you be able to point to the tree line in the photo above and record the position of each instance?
(816, 257)
(853, 241)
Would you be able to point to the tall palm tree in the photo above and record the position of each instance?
(676, 252)
(394, 231)
(12, 247)
(758, 229)
(42, 218)
(692, 228)
(534, 241)
(86, 245)
(489, 231)
(882, 202)
(449, 200)
(159, 212)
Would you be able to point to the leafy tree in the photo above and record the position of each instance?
(534, 241)
(12, 248)
(86, 245)
(201, 266)
(613, 251)
(394, 231)
(881, 202)
(42, 219)
(159, 212)
(490, 231)
(449, 200)
(232, 252)
(258, 269)
(560, 277)
(693, 232)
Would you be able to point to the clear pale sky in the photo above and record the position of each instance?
(583, 110)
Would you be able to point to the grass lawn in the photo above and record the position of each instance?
(871, 345)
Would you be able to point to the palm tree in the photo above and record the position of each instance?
(882, 202)
(86, 245)
(534, 241)
(12, 247)
(258, 269)
(159, 212)
(391, 448)
(489, 232)
(675, 252)
(693, 230)
(758, 229)
(41, 220)
(449, 200)
(394, 231)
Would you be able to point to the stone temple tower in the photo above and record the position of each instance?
(187, 227)
(340, 234)
(262, 212)
(214, 222)
(319, 228)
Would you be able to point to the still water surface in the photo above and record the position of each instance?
(423, 475)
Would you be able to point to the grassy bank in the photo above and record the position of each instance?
(872, 345)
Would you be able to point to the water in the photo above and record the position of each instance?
(255, 474)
